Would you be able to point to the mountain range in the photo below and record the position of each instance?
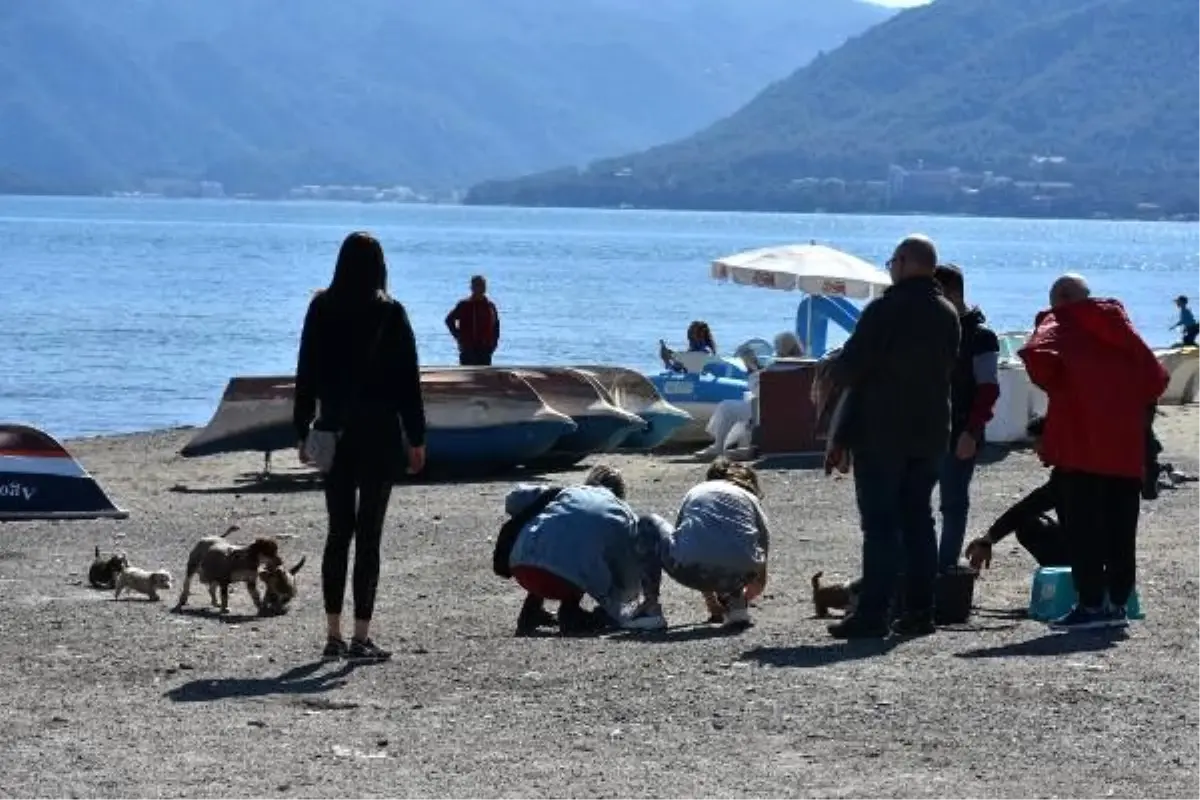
(989, 106)
(263, 95)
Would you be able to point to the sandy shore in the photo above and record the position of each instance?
(107, 698)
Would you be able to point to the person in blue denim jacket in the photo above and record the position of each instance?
(563, 543)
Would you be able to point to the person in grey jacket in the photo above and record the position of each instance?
(718, 546)
(897, 366)
(580, 540)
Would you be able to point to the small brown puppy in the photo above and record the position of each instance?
(841, 596)
(217, 563)
(141, 580)
(104, 569)
(280, 586)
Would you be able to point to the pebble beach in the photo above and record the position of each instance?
(106, 698)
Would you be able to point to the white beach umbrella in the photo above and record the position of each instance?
(811, 268)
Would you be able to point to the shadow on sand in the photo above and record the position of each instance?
(697, 632)
(215, 615)
(807, 656)
(1053, 644)
(289, 482)
(304, 679)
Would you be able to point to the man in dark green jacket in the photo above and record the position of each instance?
(897, 367)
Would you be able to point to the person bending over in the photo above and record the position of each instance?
(718, 545)
(563, 543)
(1030, 519)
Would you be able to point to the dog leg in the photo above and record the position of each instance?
(224, 598)
(252, 588)
(117, 591)
(822, 611)
(154, 595)
(183, 591)
(212, 595)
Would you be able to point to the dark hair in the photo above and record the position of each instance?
(478, 280)
(722, 469)
(608, 477)
(949, 277)
(700, 333)
(1035, 427)
(361, 272)
(1182, 299)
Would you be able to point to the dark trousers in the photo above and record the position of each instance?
(954, 491)
(1045, 540)
(357, 490)
(474, 357)
(1100, 515)
(1189, 335)
(895, 502)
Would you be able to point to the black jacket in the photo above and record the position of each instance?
(1038, 503)
(898, 364)
(978, 340)
(360, 362)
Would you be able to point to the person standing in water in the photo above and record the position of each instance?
(358, 374)
(475, 325)
(974, 389)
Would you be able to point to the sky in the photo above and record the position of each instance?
(900, 3)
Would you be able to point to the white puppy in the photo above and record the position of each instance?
(141, 580)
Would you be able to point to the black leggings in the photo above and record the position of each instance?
(357, 490)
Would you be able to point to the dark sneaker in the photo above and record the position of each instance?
(334, 649)
(913, 625)
(366, 650)
(574, 621)
(1118, 617)
(1081, 618)
(533, 616)
(855, 627)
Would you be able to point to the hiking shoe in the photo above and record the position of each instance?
(913, 625)
(334, 649)
(856, 627)
(647, 617)
(366, 650)
(1082, 618)
(737, 612)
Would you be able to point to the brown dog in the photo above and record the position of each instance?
(280, 586)
(217, 563)
(841, 596)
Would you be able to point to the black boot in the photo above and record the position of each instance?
(533, 616)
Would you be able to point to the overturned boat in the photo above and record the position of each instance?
(633, 391)
(476, 419)
(1183, 365)
(40, 480)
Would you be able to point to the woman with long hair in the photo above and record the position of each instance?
(358, 379)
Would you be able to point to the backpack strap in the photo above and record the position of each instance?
(511, 528)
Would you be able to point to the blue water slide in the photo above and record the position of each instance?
(814, 315)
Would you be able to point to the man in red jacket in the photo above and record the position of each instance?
(475, 325)
(1102, 381)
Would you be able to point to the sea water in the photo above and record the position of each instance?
(128, 314)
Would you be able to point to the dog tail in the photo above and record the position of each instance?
(230, 530)
(816, 580)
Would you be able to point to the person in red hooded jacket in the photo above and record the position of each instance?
(475, 325)
(1102, 381)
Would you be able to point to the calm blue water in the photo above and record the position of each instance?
(121, 315)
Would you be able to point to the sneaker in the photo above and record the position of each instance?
(1082, 618)
(737, 613)
(856, 627)
(334, 649)
(913, 625)
(366, 650)
(647, 617)
(533, 616)
(1118, 617)
(574, 621)
(708, 453)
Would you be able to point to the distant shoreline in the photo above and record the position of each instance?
(1179, 218)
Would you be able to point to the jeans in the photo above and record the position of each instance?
(954, 490)
(895, 502)
(1100, 516)
(655, 544)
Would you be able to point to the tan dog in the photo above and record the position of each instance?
(280, 586)
(840, 596)
(141, 580)
(217, 563)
